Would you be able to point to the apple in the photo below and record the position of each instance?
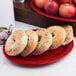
(74, 1)
(40, 3)
(67, 10)
(63, 1)
(51, 7)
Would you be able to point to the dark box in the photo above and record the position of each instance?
(24, 13)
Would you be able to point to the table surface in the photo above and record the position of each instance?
(65, 67)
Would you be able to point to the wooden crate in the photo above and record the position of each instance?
(24, 13)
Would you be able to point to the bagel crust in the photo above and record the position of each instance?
(16, 43)
(44, 42)
(69, 34)
(32, 43)
(58, 34)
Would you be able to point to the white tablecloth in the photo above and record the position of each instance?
(65, 67)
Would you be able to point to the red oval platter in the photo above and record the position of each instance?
(32, 4)
(50, 56)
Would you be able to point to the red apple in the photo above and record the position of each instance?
(40, 3)
(51, 7)
(63, 1)
(74, 1)
(67, 10)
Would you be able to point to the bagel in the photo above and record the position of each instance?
(44, 41)
(16, 43)
(58, 34)
(32, 43)
(69, 34)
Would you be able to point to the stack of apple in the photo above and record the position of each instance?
(65, 8)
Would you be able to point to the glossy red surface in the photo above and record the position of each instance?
(50, 56)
